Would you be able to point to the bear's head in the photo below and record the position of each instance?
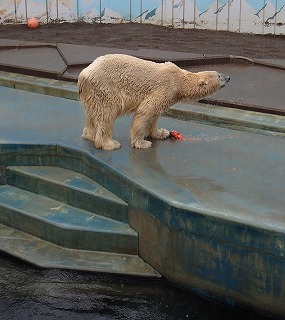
(212, 79)
(201, 84)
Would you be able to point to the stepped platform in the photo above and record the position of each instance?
(206, 213)
(58, 218)
(47, 255)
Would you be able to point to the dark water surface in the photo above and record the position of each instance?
(30, 293)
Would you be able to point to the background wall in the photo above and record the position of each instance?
(253, 16)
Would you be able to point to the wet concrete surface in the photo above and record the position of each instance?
(229, 173)
(252, 87)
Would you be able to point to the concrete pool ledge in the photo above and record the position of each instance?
(223, 116)
(170, 204)
(52, 87)
(224, 256)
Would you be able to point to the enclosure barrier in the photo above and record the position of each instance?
(246, 16)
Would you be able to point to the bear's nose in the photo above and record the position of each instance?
(224, 77)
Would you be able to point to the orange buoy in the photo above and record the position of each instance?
(33, 23)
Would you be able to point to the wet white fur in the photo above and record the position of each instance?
(115, 85)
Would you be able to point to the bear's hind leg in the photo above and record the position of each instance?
(104, 140)
(89, 131)
(104, 130)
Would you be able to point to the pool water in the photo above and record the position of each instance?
(31, 293)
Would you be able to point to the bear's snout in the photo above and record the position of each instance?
(224, 79)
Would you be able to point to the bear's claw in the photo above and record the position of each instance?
(142, 144)
(160, 134)
(111, 145)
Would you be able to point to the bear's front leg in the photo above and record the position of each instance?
(139, 131)
(146, 118)
(160, 134)
(156, 133)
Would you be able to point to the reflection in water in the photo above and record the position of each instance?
(31, 293)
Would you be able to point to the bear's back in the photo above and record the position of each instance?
(130, 79)
(131, 70)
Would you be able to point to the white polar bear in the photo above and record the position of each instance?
(117, 84)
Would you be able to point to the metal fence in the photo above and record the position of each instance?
(249, 16)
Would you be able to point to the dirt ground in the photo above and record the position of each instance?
(132, 36)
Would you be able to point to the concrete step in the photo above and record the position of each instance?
(46, 255)
(64, 225)
(68, 187)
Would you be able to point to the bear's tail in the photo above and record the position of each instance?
(80, 87)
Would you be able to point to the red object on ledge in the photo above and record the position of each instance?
(176, 135)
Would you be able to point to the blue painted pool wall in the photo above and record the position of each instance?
(231, 262)
(238, 276)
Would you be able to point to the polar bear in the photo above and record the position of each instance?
(117, 84)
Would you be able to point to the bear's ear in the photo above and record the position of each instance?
(202, 82)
